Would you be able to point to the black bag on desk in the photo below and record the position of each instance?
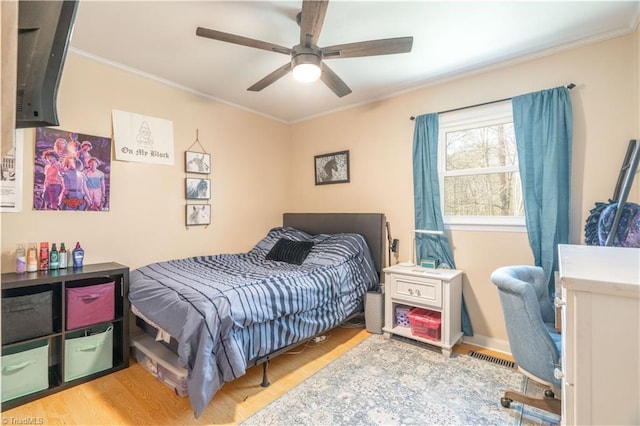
(26, 316)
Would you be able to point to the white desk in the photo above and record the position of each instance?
(600, 334)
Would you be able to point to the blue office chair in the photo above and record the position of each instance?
(530, 319)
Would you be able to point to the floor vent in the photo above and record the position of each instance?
(493, 359)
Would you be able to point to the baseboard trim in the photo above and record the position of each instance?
(491, 343)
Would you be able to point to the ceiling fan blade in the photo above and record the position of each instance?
(271, 78)
(311, 20)
(243, 41)
(385, 46)
(334, 82)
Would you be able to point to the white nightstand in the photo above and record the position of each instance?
(438, 290)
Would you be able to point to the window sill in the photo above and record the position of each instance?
(485, 228)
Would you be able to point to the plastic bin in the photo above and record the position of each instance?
(161, 363)
(91, 303)
(25, 370)
(25, 316)
(402, 315)
(425, 323)
(85, 355)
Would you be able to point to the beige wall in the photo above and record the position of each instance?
(250, 158)
(262, 168)
(379, 137)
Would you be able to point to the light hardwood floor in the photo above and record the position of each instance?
(133, 397)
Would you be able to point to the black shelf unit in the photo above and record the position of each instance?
(57, 281)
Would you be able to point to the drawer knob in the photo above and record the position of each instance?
(417, 292)
(411, 291)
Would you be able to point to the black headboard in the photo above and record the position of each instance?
(370, 225)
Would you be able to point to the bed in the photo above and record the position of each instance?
(228, 312)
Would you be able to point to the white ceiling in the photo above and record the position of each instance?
(157, 39)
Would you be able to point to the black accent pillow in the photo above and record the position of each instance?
(285, 250)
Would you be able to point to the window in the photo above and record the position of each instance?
(478, 169)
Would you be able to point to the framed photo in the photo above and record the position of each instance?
(332, 168)
(197, 189)
(197, 162)
(198, 214)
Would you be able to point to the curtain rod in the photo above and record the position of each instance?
(568, 86)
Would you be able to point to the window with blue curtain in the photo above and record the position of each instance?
(543, 126)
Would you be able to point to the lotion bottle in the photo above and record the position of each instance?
(62, 257)
(53, 257)
(21, 260)
(78, 256)
(32, 258)
(44, 256)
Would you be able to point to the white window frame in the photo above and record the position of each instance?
(482, 116)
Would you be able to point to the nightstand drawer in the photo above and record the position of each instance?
(424, 290)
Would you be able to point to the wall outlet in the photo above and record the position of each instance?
(394, 245)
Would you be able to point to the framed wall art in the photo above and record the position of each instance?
(198, 214)
(72, 171)
(197, 162)
(332, 168)
(197, 189)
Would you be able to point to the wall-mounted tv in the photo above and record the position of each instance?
(44, 31)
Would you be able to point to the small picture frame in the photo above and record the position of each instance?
(197, 189)
(332, 168)
(198, 214)
(197, 162)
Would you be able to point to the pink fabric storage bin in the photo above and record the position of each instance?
(92, 303)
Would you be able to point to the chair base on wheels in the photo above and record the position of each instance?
(548, 402)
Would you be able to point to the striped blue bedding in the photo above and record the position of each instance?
(227, 310)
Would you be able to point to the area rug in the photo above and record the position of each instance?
(395, 382)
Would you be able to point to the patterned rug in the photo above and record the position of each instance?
(396, 382)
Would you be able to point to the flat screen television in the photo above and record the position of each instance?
(44, 32)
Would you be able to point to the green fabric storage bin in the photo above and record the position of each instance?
(25, 370)
(86, 355)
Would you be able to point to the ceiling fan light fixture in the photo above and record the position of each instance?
(306, 68)
(306, 57)
(306, 73)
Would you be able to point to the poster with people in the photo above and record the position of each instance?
(72, 171)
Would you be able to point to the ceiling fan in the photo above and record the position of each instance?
(307, 58)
